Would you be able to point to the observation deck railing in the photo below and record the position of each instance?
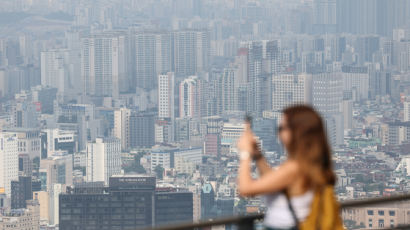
(248, 221)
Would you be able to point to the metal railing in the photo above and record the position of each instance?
(248, 221)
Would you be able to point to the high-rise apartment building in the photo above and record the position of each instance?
(325, 16)
(191, 52)
(166, 95)
(190, 97)
(8, 160)
(406, 111)
(372, 17)
(55, 70)
(153, 56)
(228, 88)
(104, 64)
(103, 159)
(122, 126)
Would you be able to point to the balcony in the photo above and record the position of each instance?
(254, 221)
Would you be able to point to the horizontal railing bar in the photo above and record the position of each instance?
(210, 222)
(241, 219)
(403, 227)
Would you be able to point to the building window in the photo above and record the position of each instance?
(381, 212)
(391, 223)
(392, 213)
(370, 212)
(381, 223)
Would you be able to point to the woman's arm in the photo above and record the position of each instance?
(262, 165)
(270, 182)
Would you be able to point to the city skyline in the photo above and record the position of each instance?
(112, 107)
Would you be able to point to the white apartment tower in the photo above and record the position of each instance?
(8, 160)
(190, 97)
(103, 64)
(406, 111)
(53, 69)
(166, 96)
(229, 85)
(103, 159)
(121, 126)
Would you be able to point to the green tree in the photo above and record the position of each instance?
(159, 171)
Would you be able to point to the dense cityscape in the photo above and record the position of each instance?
(124, 114)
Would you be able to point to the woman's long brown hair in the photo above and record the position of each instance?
(309, 145)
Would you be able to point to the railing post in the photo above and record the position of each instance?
(246, 224)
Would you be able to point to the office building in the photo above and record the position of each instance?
(81, 119)
(162, 157)
(208, 209)
(173, 207)
(142, 130)
(21, 219)
(327, 92)
(290, 90)
(164, 131)
(225, 206)
(128, 204)
(103, 159)
(42, 197)
(231, 131)
(379, 216)
(356, 82)
(25, 165)
(264, 129)
(212, 145)
(44, 96)
(56, 169)
(29, 141)
(186, 160)
(60, 140)
(169, 158)
(24, 115)
(21, 191)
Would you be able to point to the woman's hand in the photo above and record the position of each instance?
(247, 142)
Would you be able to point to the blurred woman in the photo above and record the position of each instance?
(289, 189)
